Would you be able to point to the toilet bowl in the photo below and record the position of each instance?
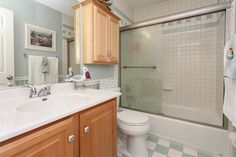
(135, 126)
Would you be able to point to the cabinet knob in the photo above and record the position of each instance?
(71, 138)
(86, 130)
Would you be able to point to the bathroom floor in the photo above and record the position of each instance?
(158, 147)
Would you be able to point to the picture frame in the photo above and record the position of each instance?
(38, 38)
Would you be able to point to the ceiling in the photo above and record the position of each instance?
(137, 4)
(63, 6)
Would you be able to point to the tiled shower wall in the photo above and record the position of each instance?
(193, 64)
(167, 7)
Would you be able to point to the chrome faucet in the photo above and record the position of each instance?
(45, 91)
(33, 91)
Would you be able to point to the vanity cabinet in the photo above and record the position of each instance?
(100, 34)
(89, 133)
(98, 131)
(56, 140)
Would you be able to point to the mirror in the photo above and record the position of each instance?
(36, 41)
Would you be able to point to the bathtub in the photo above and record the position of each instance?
(194, 135)
(194, 114)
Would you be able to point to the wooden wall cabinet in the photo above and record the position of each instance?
(91, 133)
(100, 34)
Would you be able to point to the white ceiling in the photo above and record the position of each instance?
(63, 6)
(137, 4)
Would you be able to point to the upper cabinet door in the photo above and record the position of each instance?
(114, 40)
(6, 45)
(100, 35)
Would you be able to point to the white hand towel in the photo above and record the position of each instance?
(230, 64)
(52, 76)
(229, 108)
(35, 76)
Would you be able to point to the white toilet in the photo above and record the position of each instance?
(135, 126)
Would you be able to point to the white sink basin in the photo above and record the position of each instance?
(51, 103)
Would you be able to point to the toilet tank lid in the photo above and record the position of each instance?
(132, 117)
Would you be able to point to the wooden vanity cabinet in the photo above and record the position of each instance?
(100, 34)
(90, 133)
(49, 141)
(98, 131)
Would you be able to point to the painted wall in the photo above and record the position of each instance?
(31, 12)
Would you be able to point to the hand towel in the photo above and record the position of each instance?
(44, 65)
(230, 63)
(229, 107)
(35, 76)
(52, 76)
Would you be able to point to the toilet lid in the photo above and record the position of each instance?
(132, 118)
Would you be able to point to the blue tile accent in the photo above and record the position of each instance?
(173, 145)
(202, 154)
(176, 146)
(187, 155)
(162, 149)
(150, 152)
(152, 138)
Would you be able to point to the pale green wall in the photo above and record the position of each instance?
(32, 12)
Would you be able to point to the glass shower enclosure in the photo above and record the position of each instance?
(175, 69)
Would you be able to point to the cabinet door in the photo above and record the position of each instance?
(114, 40)
(100, 35)
(51, 141)
(98, 131)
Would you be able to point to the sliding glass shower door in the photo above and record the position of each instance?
(141, 69)
(176, 68)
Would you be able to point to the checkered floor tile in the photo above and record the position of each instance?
(158, 147)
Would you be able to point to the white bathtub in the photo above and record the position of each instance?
(206, 115)
(198, 136)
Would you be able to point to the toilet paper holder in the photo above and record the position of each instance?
(232, 137)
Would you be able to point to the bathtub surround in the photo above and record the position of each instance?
(187, 81)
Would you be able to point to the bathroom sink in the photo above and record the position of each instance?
(51, 103)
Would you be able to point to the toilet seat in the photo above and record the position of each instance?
(132, 119)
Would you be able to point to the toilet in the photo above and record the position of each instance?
(135, 126)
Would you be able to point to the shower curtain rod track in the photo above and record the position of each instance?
(179, 16)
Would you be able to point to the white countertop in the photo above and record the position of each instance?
(14, 121)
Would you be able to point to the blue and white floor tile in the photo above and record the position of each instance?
(158, 147)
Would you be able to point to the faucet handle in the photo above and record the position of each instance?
(33, 90)
(48, 87)
(45, 91)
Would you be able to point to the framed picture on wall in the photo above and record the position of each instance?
(38, 38)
